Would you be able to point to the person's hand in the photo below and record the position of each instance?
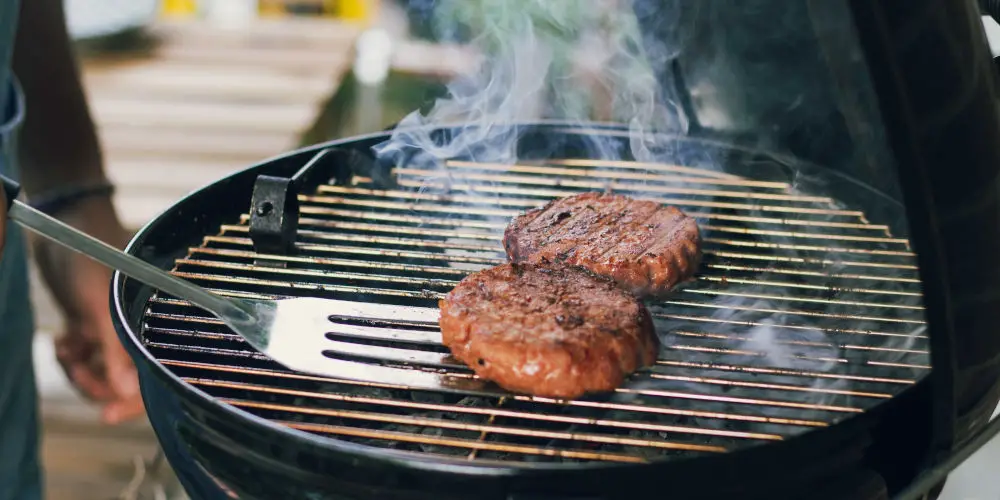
(89, 351)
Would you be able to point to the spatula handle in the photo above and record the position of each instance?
(131, 266)
(10, 190)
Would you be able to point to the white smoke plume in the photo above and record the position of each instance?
(581, 60)
(541, 60)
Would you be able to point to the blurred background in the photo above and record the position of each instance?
(185, 92)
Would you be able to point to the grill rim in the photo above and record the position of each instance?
(286, 164)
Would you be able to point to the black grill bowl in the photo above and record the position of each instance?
(221, 451)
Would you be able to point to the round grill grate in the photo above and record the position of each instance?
(803, 313)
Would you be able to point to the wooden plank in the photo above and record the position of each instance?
(148, 186)
(235, 83)
(137, 436)
(207, 144)
(289, 59)
(411, 56)
(173, 175)
(88, 461)
(136, 208)
(259, 117)
(247, 147)
(296, 32)
(280, 44)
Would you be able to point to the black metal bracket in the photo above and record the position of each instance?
(274, 208)
(11, 190)
(274, 205)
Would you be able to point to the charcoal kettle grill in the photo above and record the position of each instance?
(838, 341)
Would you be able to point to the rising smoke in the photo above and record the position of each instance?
(541, 60)
(580, 61)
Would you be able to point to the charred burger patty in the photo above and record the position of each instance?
(644, 246)
(547, 329)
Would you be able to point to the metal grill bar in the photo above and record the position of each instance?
(818, 262)
(433, 338)
(304, 285)
(748, 369)
(500, 225)
(229, 252)
(336, 274)
(460, 443)
(706, 335)
(378, 291)
(793, 312)
(546, 402)
(484, 434)
(746, 352)
(648, 166)
(810, 248)
(778, 371)
(778, 387)
(610, 185)
(684, 317)
(529, 202)
(716, 385)
(779, 270)
(454, 271)
(435, 359)
(790, 234)
(808, 299)
(608, 174)
(426, 422)
(422, 231)
(492, 249)
(416, 207)
(436, 221)
(486, 261)
(407, 254)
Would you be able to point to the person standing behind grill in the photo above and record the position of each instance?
(61, 170)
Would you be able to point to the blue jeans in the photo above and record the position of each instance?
(20, 475)
(20, 471)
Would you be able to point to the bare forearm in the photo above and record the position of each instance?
(58, 144)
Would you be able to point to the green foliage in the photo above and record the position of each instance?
(496, 20)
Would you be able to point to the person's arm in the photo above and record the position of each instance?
(58, 143)
(59, 153)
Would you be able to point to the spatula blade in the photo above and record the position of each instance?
(293, 332)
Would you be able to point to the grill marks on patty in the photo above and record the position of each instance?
(563, 318)
(547, 329)
(645, 247)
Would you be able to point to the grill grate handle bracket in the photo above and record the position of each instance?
(274, 209)
(274, 204)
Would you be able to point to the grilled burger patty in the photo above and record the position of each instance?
(547, 329)
(644, 246)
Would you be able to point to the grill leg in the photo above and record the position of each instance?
(161, 408)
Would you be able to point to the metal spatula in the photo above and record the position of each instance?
(292, 332)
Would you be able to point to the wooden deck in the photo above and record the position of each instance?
(206, 101)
